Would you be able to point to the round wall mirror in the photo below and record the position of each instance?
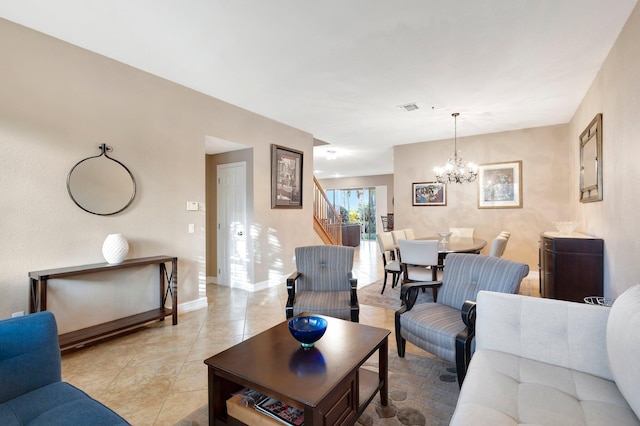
(101, 185)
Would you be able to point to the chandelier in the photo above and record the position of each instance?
(456, 170)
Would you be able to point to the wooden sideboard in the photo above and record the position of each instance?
(571, 266)
(168, 287)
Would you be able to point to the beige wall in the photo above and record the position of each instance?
(544, 153)
(616, 94)
(57, 104)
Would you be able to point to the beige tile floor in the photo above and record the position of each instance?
(156, 375)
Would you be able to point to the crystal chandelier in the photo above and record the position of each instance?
(456, 170)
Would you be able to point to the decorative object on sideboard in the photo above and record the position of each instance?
(566, 226)
(591, 161)
(456, 170)
(100, 184)
(115, 248)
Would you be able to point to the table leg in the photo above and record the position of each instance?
(383, 371)
(169, 287)
(43, 295)
(34, 299)
(163, 285)
(217, 404)
(174, 284)
(219, 390)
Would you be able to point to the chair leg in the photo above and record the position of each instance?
(396, 278)
(384, 284)
(463, 355)
(401, 343)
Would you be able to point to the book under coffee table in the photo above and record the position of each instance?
(326, 382)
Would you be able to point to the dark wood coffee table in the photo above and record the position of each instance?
(326, 381)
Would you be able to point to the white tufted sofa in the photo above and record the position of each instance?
(551, 362)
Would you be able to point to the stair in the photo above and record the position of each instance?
(326, 221)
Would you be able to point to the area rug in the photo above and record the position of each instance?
(422, 391)
(370, 295)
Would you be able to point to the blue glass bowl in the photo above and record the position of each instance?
(307, 330)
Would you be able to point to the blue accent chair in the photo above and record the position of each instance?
(31, 388)
(323, 283)
(440, 328)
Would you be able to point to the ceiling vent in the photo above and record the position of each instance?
(409, 107)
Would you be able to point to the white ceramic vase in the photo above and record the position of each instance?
(115, 248)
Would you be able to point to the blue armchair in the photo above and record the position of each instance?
(323, 283)
(439, 328)
(31, 387)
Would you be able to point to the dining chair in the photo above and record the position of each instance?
(392, 265)
(397, 236)
(323, 283)
(498, 246)
(419, 263)
(462, 232)
(408, 234)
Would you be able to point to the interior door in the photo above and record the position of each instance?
(233, 260)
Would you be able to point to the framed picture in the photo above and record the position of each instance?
(500, 185)
(429, 194)
(286, 178)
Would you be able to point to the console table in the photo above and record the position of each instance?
(168, 286)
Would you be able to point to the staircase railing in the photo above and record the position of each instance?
(326, 221)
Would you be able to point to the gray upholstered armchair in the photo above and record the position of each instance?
(438, 328)
(323, 283)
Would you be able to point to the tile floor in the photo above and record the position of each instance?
(156, 375)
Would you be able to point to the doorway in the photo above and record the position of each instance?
(233, 255)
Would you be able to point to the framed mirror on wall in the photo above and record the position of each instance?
(100, 184)
(591, 161)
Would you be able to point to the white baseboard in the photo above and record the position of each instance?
(253, 287)
(534, 275)
(193, 305)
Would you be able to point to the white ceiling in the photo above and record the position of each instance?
(339, 69)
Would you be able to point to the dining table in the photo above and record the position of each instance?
(456, 245)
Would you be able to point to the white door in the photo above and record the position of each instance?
(233, 262)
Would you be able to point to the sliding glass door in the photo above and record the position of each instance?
(356, 205)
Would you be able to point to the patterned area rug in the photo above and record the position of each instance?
(370, 295)
(422, 391)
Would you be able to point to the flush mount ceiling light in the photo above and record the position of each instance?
(331, 155)
(456, 170)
